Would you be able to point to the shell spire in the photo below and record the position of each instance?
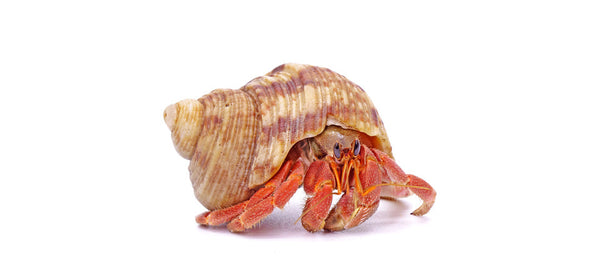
(184, 119)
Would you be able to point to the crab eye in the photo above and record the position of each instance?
(336, 151)
(356, 147)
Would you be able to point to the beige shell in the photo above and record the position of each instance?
(236, 140)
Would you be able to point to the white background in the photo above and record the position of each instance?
(493, 103)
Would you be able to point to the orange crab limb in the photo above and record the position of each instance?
(426, 194)
(411, 184)
(318, 183)
(222, 216)
(276, 192)
(287, 189)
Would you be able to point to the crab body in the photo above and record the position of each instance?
(250, 149)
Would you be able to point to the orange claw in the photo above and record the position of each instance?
(318, 183)
(362, 199)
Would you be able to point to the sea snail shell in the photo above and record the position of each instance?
(236, 140)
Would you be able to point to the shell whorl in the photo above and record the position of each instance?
(184, 119)
(245, 135)
(225, 148)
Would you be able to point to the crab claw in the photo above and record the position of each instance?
(351, 210)
(360, 202)
(318, 183)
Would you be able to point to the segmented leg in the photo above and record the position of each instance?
(416, 185)
(318, 183)
(276, 193)
(360, 202)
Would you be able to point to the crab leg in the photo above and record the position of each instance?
(221, 216)
(276, 193)
(413, 184)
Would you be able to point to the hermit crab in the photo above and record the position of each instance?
(250, 149)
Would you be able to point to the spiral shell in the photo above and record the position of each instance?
(236, 140)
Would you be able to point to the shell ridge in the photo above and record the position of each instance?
(263, 99)
(217, 147)
(258, 124)
(297, 88)
(199, 180)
